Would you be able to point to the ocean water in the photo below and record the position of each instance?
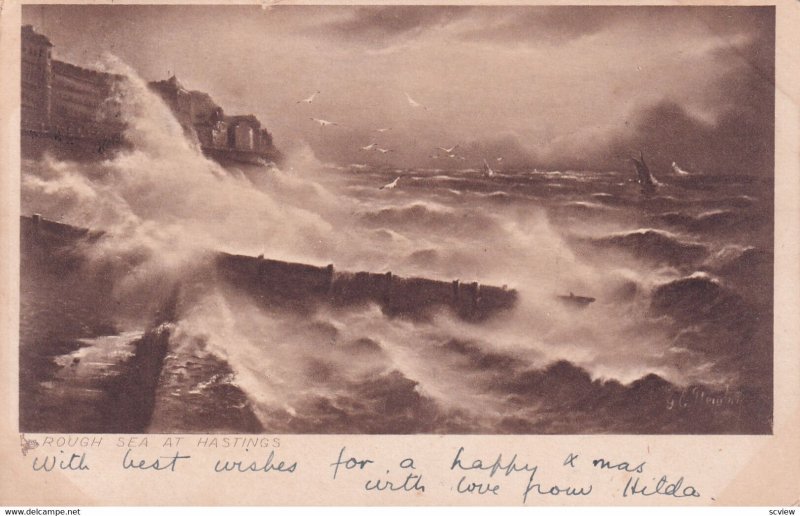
(678, 339)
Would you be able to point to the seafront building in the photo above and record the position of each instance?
(69, 108)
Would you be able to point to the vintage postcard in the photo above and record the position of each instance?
(400, 254)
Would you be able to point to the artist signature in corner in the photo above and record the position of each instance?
(696, 397)
(27, 444)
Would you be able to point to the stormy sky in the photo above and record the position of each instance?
(548, 87)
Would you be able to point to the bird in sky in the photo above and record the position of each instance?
(414, 103)
(383, 151)
(391, 185)
(322, 123)
(267, 5)
(383, 129)
(310, 99)
(500, 158)
(678, 170)
(450, 150)
(369, 147)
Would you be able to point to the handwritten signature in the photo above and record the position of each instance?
(663, 487)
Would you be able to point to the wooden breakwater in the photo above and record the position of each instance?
(301, 286)
(296, 285)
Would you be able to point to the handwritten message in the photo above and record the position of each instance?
(407, 480)
(468, 473)
(493, 475)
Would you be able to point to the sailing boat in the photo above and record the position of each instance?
(578, 301)
(487, 170)
(645, 178)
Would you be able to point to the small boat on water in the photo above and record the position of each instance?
(644, 176)
(578, 301)
(487, 170)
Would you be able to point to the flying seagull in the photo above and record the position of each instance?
(370, 146)
(678, 170)
(414, 103)
(322, 123)
(383, 151)
(391, 185)
(267, 5)
(450, 150)
(383, 129)
(310, 99)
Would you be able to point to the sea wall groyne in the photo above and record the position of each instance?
(300, 286)
(296, 284)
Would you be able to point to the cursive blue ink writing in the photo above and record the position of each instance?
(476, 487)
(407, 463)
(570, 460)
(622, 466)
(413, 482)
(663, 487)
(255, 466)
(159, 464)
(76, 462)
(497, 465)
(350, 463)
(553, 490)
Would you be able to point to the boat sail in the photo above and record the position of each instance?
(487, 170)
(645, 178)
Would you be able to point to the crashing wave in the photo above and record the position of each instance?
(655, 245)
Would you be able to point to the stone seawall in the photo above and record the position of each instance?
(78, 371)
(35, 143)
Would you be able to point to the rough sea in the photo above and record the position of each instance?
(678, 339)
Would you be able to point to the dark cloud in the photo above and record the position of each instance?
(740, 141)
(561, 24)
(736, 136)
(722, 20)
(687, 84)
(545, 24)
(382, 24)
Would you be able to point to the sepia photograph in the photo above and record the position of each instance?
(391, 219)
